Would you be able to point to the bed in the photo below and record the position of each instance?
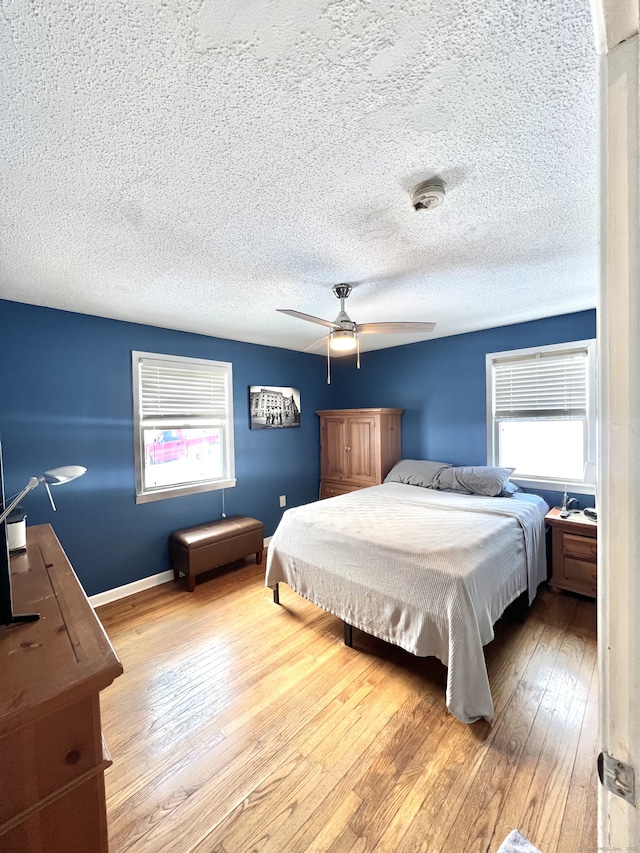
(430, 571)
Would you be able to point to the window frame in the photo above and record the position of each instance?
(550, 483)
(167, 422)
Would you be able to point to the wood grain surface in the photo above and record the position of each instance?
(241, 726)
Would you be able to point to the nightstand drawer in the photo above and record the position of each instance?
(581, 572)
(580, 547)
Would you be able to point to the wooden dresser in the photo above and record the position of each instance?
(52, 756)
(574, 552)
(358, 448)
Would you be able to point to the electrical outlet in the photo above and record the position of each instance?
(283, 500)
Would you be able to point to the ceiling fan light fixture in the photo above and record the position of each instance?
(342, 340)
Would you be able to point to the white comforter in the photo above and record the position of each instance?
(429, 571)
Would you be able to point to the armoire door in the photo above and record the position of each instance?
(333, 452)
(361, 452)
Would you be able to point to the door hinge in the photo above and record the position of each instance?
(617, 777)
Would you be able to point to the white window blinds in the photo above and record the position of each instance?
(541, 386)
(183, 416)
(179, 391)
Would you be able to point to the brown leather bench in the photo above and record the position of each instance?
(195, 550)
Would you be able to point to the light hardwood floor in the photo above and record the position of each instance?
(242, 726)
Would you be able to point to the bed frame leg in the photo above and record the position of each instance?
(276, 595)
(348, 635)
(524, 608)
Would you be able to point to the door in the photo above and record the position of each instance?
(619, 436)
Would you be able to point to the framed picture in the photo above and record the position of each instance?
(273, 407)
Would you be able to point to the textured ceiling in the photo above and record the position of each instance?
(196, 164)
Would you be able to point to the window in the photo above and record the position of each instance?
(183, 410)
(541, 415)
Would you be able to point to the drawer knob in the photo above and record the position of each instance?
(73, 756)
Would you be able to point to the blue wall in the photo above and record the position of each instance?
(65, 398)
(441, 384)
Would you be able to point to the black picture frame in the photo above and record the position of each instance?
(274, 407)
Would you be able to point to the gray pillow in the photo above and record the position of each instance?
(474, 480)
(510, 490)
(415, 472)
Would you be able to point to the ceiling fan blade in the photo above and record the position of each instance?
(395, 328)
(316, 344)
(309, 317)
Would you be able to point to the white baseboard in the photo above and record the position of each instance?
(137, 586)
(129, 589)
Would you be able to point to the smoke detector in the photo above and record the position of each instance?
(427, 195)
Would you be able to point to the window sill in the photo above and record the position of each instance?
(555, 486)
(178, 491)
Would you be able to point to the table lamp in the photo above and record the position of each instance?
(54, 477)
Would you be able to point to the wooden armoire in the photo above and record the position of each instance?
(358, 448)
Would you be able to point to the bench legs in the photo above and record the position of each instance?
(276, 595)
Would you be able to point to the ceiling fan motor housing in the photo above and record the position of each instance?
(427, 195)
(343, 319)
(342, 290)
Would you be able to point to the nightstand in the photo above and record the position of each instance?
(574, 552)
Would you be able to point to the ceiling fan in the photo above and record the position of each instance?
(344, 334)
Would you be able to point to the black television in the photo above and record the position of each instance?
(7, 616)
